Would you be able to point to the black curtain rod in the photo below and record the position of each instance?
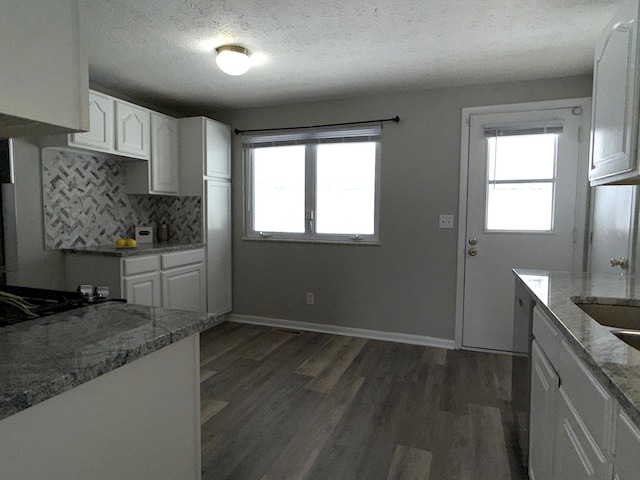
(395, 119)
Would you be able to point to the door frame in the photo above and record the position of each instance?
(582, 191)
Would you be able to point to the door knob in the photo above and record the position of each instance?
(615, 262)
(473, 252)
(473, 241)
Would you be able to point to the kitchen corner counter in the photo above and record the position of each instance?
(140, 249)
(614, 363)
(42, 358)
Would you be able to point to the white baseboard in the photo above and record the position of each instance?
(348, 331)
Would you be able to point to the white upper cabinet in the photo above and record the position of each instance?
(133, 130)
(101, 118)
(614, 121)
(117, 127)
(205, 151)
(164, 154)
(45, 74)
(158, 176)
(218, 158)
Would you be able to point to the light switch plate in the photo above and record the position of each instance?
(445, 221)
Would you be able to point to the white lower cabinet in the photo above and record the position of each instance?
(170, 280)
(143, 289)
(574, 433)
(576, 453)
(184, 288)
(544, 389)
(626, 449)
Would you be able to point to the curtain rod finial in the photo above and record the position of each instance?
(396, 119)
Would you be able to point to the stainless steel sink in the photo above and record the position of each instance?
(630, 337)
(614, 316)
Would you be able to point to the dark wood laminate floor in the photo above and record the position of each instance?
(320, 407)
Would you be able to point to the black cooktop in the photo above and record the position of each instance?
(43, 302)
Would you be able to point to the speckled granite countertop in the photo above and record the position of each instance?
(44, 357)
(612, 361)
(140, 249)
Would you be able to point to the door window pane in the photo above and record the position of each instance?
(520, 186)
(520, 206)
(522, 157)
(345, 188)
(278, 176)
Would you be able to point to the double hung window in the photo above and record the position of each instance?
(313, 185)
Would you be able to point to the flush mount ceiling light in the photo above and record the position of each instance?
(233, 59)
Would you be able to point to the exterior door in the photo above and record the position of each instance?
(520, 213)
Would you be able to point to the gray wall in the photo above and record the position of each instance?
(406, 285)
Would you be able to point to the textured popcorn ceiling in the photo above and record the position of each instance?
(161, 51)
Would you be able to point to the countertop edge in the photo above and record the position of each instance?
(614, 388)
(15, 402)
(141, 249)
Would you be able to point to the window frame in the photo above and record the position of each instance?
(515, 130)
(309, 235)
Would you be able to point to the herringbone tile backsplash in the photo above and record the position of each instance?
(85, 203)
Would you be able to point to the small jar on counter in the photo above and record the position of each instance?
(163, 232)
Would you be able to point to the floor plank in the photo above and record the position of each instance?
(410, 464)
(319, 407)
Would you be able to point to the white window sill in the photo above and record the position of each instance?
(332, 241)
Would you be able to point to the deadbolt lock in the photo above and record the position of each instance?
(473, 252)
(473, 241)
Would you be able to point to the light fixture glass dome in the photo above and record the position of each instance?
(233, 59)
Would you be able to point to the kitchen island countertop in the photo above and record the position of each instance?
(42, 358)
(140, 249)
(614, 363)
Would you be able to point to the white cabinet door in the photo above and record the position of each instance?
(133, 130)
(614, 114)
(143, 289)
(164, 154)
(626, 455)
(576, 454)
(184, 288)
(218, 224)
(101, 124)
(45, 75)
(218, 153)
(544, 388)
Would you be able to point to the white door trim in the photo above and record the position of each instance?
(582, 194)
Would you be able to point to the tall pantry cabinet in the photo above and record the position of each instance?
(205, 155)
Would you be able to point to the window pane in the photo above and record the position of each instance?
(520, 206)
(522, 157)
(278, 189)
(345, 188)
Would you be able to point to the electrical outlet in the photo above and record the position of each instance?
(445, 221)
(310, 298)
